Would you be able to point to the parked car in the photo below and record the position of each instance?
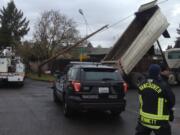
(90, 86)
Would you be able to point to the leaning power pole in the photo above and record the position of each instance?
(68, 49)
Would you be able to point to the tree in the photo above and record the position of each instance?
(177, 43)
(54, 31)
(26, 52)
(12, 25)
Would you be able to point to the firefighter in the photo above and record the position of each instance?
(156, 104)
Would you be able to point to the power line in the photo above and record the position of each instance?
(118, 22)
(163, 1)
(121, 20)
(127, 17)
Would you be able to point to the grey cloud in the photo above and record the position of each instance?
(98, 13)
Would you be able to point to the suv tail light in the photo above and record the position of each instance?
(125, 87)
(76, 85)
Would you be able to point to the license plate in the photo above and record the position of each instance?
(103, 90)
(113, 96)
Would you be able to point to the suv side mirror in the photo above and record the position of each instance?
(58, 74)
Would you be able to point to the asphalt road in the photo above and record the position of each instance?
(31, 111)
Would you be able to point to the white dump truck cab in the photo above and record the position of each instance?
(173, 59)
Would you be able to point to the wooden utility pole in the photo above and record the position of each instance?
(68, 49)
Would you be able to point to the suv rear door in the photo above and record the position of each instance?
(101, 84)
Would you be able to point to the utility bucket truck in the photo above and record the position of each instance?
(132, 53)
(11, 68)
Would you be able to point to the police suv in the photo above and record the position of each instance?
(90, 86)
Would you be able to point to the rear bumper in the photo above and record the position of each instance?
(16, 78)
(80, 104)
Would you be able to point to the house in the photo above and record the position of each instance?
(90, 54)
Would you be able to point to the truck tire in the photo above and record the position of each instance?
(116, 113)
(19, 84)
(172, 79)
(136, 78)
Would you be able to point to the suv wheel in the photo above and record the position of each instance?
(55, 98)
(66, 109)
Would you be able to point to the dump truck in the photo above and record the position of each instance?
(132, 53)
(12, 70)
(173, 60)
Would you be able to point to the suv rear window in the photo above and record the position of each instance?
(101, 74)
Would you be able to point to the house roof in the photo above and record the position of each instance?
(99, 51)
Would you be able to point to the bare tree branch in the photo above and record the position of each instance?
(54, 30)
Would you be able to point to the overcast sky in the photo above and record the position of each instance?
(98, 13)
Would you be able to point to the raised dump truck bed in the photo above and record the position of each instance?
(148, 25)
